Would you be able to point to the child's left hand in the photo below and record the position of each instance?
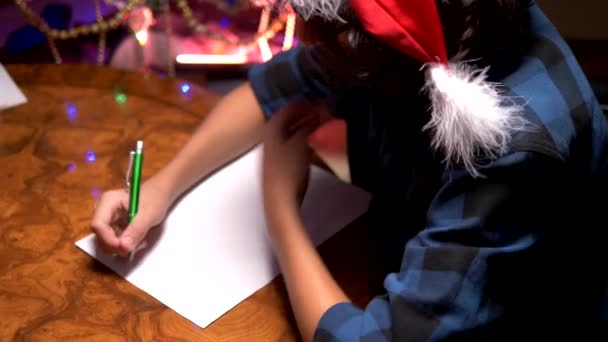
(286, 156)
(286, 163)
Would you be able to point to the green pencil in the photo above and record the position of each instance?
(135, 185)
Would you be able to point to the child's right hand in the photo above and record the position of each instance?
(110, 218)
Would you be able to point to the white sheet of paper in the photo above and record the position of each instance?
(213, 251)
(10, 95)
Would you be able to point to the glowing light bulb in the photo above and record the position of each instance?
(185, 88)
(95, 192)
(91, 157)
(72, 112)
(289, 31)
(142, 37)
(140, 20)
(120, 98)
(264, 49)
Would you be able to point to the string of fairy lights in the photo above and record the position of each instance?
(102, 34)
(269, 25)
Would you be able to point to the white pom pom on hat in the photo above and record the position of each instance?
(469, 116)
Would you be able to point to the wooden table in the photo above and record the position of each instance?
(57, 154)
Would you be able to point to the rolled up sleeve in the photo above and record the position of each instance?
(289, 76)
(477, 260)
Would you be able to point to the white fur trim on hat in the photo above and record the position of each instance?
(326, 9)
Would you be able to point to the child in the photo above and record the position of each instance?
(482, 145)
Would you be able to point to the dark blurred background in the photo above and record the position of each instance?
(235, 21)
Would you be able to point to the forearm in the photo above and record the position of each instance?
(233, 126)
(312, 290)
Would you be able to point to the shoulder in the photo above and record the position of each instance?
(291, 75)
(555, 95)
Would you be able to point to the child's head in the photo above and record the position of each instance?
(385, 44)
(476, 31)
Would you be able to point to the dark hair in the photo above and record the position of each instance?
(479, 32)
(484, 29)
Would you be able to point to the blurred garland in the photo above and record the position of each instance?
(100, 26)
(170, 60)
(266, 30)
(102, 35)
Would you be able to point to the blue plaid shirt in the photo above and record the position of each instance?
(517, 254)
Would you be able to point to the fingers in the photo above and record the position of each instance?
(101, 223)
(142, 245)
(134, 234)
(106, 239)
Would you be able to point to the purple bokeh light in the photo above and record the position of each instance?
(91, 157)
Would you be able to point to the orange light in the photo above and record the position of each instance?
(264, 49)
(142, 37)
(289, 31)
(264, 20)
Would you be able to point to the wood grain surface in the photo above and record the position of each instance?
(57, 154)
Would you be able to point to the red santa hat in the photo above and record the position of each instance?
(469, 115)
